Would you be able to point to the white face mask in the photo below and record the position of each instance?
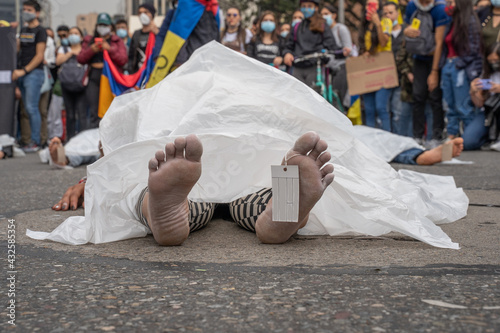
(425, 8)
(103, 30)
(144, 18)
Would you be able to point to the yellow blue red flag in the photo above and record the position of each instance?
(114, 83)
(186, 17)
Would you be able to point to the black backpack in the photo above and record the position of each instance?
(72, 74)
(425, 43)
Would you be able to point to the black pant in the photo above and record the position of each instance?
(421, 71)
(75, 104)
(92, 92)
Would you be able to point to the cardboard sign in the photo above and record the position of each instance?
(369, 74)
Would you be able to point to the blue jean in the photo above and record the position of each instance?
(402, 114)
(376, 105)
(408, 156)
(455, 85)
(475, 134)
(30, 86)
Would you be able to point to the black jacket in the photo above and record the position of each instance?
(303, 41)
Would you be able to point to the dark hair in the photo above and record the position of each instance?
(461, 19)
(79, 30)
(391, 3)
(63, 28)
(241, 35)
(330, 8)
(49, 28)
(34, 4)
(121, 21)
(495, 48)
(260, 33)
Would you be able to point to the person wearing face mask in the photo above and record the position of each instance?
(297, 17)
(62, 33)
(476, 134)
(30, 74)
(375, 37)
(285, 30)
(234, 35)
(139, 42)
(461, 63)
(426, 70)
(266, 46)
(309, 36)
(73, 95)
(343, 39)
(489, 17)
(92, 55)
(121, 27)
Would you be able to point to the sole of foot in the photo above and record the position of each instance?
(172, 175)
(435, 155)
(315, 174)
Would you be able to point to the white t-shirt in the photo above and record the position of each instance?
(231, 37)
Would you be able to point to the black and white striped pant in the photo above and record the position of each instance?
(244, 211)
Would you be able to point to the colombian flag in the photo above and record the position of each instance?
(114, 83)
(186, 17)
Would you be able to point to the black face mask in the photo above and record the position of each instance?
(495, 66)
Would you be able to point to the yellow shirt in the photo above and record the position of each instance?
(386, 29)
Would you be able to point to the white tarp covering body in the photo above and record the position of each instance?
(247, 116)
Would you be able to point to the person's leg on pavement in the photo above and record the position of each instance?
(69, 104)
(406, 119)
(24, 124)
(463, 103)
(92, 92)
(436, 100)
(448, 82)
(310, 155)
(32, 85)
(43, 105)
(428, 157)
(246, 210)
(370, 109)
(381, 103)
(475, 133)
(421, 70)
(81, 107)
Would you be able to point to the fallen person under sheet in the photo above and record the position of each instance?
(247, 123)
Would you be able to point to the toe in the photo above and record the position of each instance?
(153, 164)
(326, 170)
(323, 159)
(306, 143)
(160, 157)
(194, 148)
(328, 179)
(169, 151)
(180, 145)
(319, 148)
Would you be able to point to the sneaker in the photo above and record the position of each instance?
(31, 148)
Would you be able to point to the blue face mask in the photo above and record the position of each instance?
(495, 3)
(268, 26)
(122, 33)
(65, 41)
(294, 22)
(395, 23)
(308, 12)
(284, 34)
(74, 39)
(329, 20)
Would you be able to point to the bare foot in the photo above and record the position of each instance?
(433, 156)
(55, 145)
(314, 178)
(172, 175)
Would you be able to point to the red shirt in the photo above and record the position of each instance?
(449, 44)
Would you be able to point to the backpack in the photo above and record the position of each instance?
(72, 74)
(425, 43)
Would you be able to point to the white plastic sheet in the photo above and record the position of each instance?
(247, 116)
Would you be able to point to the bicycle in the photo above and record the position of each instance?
(323, 85)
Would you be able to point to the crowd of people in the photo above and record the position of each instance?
(447, 55)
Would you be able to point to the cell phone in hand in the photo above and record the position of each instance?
(370, 9)
(486, 83)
